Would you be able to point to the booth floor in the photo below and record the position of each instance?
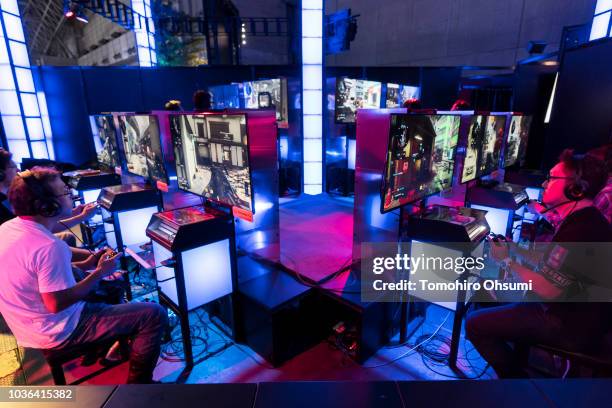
(316, 235)
(316, 241)
(239, 364)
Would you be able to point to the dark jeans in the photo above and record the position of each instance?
(143, 322)
(492, 329)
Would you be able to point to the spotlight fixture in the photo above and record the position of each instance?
(536, 47)
(73, 11)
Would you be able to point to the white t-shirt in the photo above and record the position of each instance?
(34, 261)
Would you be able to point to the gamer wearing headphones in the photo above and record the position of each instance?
(569, 189)
(39, 299)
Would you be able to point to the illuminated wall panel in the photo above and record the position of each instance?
(23, 109)
(312, 94)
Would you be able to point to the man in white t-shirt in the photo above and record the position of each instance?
(39, 299)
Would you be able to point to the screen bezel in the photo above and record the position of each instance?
(383, 188)
(246, 119)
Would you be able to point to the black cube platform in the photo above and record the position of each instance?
(277, 314)
(375, 322)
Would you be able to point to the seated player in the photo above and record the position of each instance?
(39, 299)
(570, 187)
(79, 214)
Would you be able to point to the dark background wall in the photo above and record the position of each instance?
(582, 112)
(74, 93)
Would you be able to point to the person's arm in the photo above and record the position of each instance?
(86, 211)
(59, 300)
(541, 286)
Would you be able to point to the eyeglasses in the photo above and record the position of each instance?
(549, 178)
(67, 192)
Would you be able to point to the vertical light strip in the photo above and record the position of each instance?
(551, 101)
(601, 20)
(23, 107)
(312, 94)
(145, 33)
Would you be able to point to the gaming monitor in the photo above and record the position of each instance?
(420, 158)
(212, 157)
(142, 146)
(105, 140)
(353, 94)
(225, 96)
(392, 99)
(516, 140)
(277, 90)
(407, 92)
(483, 149)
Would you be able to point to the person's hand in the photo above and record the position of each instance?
(107, 263)
(88, 211)
(535, 207)
(77, 210)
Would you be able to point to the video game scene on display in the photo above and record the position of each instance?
(225, 96)
(142, 146)
(212, 157)
(393, 96)
(483, 147)
(105, 140)
(516, 140)
(353, 94)
(398, 94)
(409, 92)
(420, 157)
(277, 88)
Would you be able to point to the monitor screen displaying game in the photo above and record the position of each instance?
(277, 91)
(392, 99)
(407, 92)
(142, 146)
(483, 149)
(516, 140)
(225, 96)
(212, 157)
(420, 158)
(353, 94)
(105, 140)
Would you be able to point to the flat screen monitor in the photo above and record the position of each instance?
(225, 96)
(212, 157)
(407, 92)
(516, 140)
(277, 89)
(392, 99)
(105, 140)
(353, 94)
(420, 158)
(483, 149)
(142, 146)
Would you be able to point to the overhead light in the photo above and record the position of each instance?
(550, 63)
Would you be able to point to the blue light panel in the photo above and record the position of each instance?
(601, 20)
(312, 94)
(19, 98)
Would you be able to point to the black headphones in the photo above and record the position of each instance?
(45, 202)
(577, 189)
